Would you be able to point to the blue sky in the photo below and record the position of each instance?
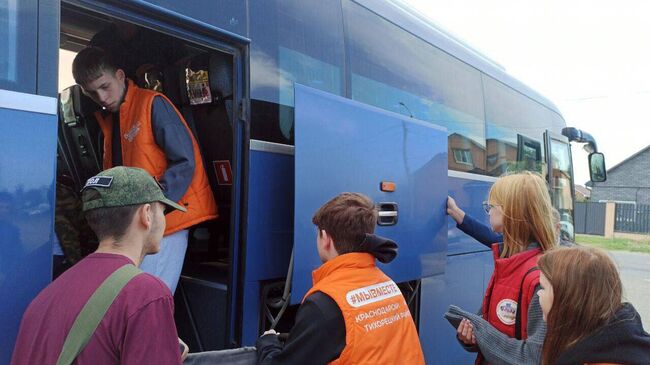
(589, 57)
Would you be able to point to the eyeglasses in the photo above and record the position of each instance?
(488, 207)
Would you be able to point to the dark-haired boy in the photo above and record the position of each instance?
(125, 207)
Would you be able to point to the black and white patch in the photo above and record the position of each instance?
(99, 181)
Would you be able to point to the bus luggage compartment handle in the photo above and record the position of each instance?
(387, 214)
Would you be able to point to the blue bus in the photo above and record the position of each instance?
(292, 102)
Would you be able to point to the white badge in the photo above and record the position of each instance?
(507, 311)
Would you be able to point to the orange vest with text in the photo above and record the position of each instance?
(379, 328)
(139, 149)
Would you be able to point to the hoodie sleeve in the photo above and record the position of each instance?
(317, 337)
(479, 231)
(384, 249)
(498, 348)
(172, 136)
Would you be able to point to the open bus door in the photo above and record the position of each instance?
(560, 180)
(342, 145)
(27, 157)
(206, 298)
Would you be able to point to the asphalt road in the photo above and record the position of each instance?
(635, 274)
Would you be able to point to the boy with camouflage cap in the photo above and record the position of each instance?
(125, 207)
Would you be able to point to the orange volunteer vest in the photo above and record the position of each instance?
(139, 149)
(379, 328)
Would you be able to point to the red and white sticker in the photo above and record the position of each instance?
(223, 171)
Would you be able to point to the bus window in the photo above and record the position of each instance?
(529, 154)
(18, 32)
(225, 14)
(504, 108)
(397, 71)
(291, 43)
(561, 183)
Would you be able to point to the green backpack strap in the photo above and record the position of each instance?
(93, 312)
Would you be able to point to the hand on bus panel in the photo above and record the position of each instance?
(454, 211)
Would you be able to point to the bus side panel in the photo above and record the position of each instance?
(463, 284)
(269, 230)
(467, 273)
(270, 215)
(27, 168)
(469, 195)
(251, 316)
(343, 145)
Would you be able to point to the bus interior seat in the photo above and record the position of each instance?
(79, 133)
(213, 129)
(221, 80)
(167, 82)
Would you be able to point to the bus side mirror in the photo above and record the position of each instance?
(597, 171)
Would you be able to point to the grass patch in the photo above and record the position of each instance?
(614, 244)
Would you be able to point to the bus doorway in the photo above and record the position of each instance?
(202, 79)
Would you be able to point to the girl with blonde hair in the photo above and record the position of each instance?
(587, 321)
(510, 329)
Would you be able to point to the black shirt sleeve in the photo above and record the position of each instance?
(318, 336)
(116, 147)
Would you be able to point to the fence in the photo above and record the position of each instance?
(632, 218)
(589, 218)
(604, 219)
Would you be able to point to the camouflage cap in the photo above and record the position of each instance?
(121, 186)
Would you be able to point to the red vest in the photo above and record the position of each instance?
(139, 149)
(379, 328)
(511, 290)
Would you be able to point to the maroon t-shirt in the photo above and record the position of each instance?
(138, 327)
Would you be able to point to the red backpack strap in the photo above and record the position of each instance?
(519, 302)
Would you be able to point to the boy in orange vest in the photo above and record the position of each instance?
(354, 313)
(142, 128)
